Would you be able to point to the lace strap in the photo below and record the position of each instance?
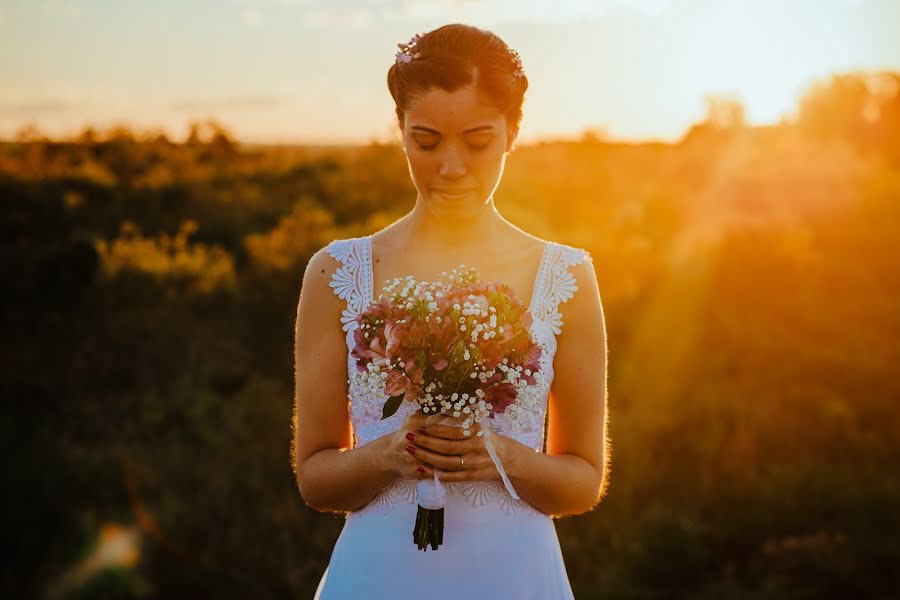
(557, 284)
(352, 281)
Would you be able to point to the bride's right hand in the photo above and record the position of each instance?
(400, 461)
(404, 464)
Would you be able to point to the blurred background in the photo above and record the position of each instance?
(167, 169)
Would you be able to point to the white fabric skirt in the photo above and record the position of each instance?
(486, 553)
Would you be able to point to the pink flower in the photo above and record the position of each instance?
(360, 351)
(527, 319)
(531, 361)
(396, 383)
(392, 337)
(413, 372)
(374, 350)
(500, 396)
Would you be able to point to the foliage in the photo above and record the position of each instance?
(749, 279)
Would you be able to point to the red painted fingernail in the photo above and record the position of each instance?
(422, 429)
(411, 449)
(420, 469)
(410, 436)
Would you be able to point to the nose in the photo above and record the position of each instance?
(453, 164)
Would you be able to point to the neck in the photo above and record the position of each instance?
(432, 234)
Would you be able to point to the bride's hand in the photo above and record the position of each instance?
(440, 444)
(402, 462)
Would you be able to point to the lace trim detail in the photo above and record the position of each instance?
(351, 280)
(558, 284)
(476, 493)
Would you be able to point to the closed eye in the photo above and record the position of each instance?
(476, 147)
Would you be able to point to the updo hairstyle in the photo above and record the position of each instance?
(455, 56)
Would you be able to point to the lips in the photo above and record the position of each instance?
(454, 192)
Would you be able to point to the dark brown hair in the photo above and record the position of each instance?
(457, 55)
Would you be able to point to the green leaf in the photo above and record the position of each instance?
(391, 406)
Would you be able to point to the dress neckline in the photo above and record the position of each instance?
(534, 289)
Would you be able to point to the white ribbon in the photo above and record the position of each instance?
(486, 432)
(431, 494)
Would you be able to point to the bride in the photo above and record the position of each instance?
(458, 92)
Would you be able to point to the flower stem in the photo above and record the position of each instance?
(429, 528)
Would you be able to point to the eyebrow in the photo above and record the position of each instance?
(472, 130)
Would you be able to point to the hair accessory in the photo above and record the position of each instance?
(406, 50)
(514, 57)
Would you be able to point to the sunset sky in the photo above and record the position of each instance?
(314, 70)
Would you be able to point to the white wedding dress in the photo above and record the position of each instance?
(494, 547)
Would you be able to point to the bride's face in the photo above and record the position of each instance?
(456, 147)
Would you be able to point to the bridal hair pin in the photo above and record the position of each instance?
(406, 50)
(517, 61)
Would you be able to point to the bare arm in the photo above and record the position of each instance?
(571, 477)
(332, 477)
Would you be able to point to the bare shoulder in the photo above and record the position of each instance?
(586, 277)
(318, 276)
(525, 240)
(583, 312)
(321, 267)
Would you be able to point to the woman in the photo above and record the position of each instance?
(458, 92)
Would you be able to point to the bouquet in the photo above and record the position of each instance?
(457, 347)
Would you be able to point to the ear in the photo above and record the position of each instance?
(511, 139)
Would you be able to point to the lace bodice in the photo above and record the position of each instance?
(523, 421)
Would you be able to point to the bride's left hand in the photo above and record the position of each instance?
(440, 447)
